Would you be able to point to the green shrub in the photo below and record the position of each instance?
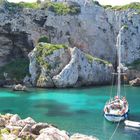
(58, 8)
(125, 26)
(14, 7)
(107, 6)
(45, 49)
(91, 59)
(16, 69)
(44, 39)
(134, 65)
(33, 5)
(134, 5)
(61, 8)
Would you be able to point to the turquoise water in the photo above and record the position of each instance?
(75, 110)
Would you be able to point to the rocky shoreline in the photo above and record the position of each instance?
(12, 127)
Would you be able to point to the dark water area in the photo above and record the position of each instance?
(74, 110)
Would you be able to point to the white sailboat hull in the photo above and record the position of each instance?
(132, 124)
(115, 118)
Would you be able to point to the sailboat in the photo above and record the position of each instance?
(116, 109)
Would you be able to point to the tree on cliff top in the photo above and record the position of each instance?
(3, 1)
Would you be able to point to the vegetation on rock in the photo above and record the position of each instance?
(125, 26)
(107, 6)
(29, 5)
(134, 65)
(134, 5)
(13, 7)
(62, 8)
(16, 69)
(91, 59)
(44, 39)
(45, 49)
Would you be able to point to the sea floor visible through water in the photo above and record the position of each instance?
(74, 110)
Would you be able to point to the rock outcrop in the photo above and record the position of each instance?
(61, 66)
(19, 87)
(13, 127)
(135, 82)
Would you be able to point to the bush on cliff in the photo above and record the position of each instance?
(44, 39)
(134, 5)
(45, 49)
(61, 8)
(91, 59)
(16, 69)
(14, 7)
(134, 65)
(33, 5)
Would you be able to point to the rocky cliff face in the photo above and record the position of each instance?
(130, 36)
(93, 31)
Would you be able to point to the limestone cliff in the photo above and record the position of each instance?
(93, 30)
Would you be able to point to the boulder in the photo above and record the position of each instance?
(82, 137)
(26, 128)
(37, 127)
(27, 136)
(13, 128)
(29, 120)
(52, 133)
(26, 121)
(2, 122)
(135, 82)
(132, 74)
(14, 119)
(7, 116)
(19, 87)
(9, 137)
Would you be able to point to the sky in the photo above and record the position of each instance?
(103, 2)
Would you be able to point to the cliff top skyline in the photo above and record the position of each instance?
(103, 2)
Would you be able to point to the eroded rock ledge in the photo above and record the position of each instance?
(12, 127)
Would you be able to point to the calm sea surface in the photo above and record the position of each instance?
(75, 110)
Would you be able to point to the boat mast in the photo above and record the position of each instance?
(119, 60)
(119, 64)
